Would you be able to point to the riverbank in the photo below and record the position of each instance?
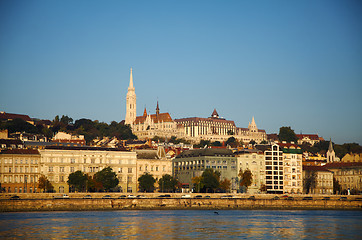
(76, 202)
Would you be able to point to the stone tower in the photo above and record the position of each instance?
(252, 126)
(130, 102)
(331, 155)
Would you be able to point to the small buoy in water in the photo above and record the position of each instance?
(216, 213)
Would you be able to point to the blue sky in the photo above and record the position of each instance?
(287, 63)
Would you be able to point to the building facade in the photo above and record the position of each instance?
(19, 170)
(274, 169)
(192, 163)
(293, 163)
(323, 179)
(58, 162)
(308, 138)
(148, 126)
(254, 161)
(216, 128)
(349, 175)
(153, 162)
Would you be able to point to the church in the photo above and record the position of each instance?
(194, 129)
(148, 126)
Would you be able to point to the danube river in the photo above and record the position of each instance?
(182, 224)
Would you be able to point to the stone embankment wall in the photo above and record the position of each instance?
(47, 203)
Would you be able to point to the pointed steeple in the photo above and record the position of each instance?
(330, 148)
(253, 121)
(130, 102)
(157, 109)
(145, 112)
(130, 81)
(215, 114)
(331, 155)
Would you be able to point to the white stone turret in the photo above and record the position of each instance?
(252, 126)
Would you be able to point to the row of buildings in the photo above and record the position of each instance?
(21, 168)
(276, 168)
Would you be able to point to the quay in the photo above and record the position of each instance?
(175, 201)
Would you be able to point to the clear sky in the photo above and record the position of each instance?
(287, 63)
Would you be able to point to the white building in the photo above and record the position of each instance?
(274, 170)
(255, 162)
(58, 162)
(293, 172)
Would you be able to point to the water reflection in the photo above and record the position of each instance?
(182, 225)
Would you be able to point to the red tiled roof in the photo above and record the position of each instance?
(343, 164)
(310, 136)
(162, 117)
(19, 151)
(315, 168)
(12, 116)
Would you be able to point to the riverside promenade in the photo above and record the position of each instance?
(174, 201)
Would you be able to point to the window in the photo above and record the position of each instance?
(129, 179)
(129, 170)
(50, 169)
(71, 169)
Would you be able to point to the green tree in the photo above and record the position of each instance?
(230, 132)
(246, 178)
(252, 142)
(287, 134)
(107, 178)
(232, 142)
(66, 120)
(78, 180)
(167, 183)
(264, 142)
(210, 180)
(262, 188)
(225, 185)
(158, 139)
(336, 186)
(309, 181)
(202, 144)
(216, 144)
(146, 183)
(45, 184)
(19, 125)
(196, 181)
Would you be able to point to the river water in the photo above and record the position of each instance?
(181, 224)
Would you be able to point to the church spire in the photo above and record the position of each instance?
(330, 149)
(130, 102)
(157, 109)
(131, 81)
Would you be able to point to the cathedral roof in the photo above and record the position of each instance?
(198, 119)
(162, 117)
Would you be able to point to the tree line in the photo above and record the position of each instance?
(103, 181)
(90, 129)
